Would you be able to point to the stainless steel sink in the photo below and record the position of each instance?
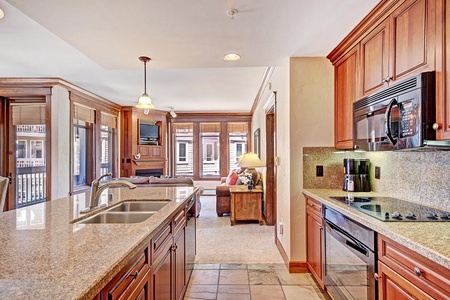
(139, 206)
(117, 217)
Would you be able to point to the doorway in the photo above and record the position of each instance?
(25, 151)
(271, 169)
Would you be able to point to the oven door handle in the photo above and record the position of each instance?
(346, 239)
(387, 118)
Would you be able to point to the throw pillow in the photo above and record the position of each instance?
(231, 178)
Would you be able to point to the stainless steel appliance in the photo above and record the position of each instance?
(356, 175)
(401, 116)
(350, 258)
(389, 209)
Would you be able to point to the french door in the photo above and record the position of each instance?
(27, 154)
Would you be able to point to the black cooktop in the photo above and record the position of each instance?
(395, 210)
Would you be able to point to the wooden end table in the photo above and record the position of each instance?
(246, 204)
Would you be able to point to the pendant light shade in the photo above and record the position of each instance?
(144, 101)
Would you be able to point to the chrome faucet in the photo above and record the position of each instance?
(97, 189)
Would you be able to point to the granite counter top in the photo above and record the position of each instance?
(45, 256)
(430, 239)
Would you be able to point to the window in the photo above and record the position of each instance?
(237, 137)
(182, 152)
(184, 157)
(84, 118)
(37, 149)
(210, 149)
(107, 146)
(21, 149)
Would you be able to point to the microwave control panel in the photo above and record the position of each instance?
(409, 119)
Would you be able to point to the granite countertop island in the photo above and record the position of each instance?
(430, 239)
(43, 255)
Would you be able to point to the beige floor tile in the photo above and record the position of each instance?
(287, 278)
(263, 277)
(266, 292)
(296, 292)
(201, 291)
(233, 277)
(233, 292)
(233, 267)
(204, 277)
(206, 266)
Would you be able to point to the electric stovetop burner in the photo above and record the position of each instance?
(395, 210)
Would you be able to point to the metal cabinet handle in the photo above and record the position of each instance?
(311, 204)
(134, 274)
(387, 79)
(417, 271)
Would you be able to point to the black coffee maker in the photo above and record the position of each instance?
(356, 175)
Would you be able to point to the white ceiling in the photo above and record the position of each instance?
(96, 45)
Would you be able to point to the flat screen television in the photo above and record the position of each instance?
(148, 132)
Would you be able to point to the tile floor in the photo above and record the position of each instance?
(250, 282)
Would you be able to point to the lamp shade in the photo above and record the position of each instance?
(145, 102)
(250, 160)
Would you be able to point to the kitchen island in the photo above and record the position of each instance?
(45, 255)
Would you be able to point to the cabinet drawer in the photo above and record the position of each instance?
(159, 239)
(179, 221)
(129, 277)
(314, 206)
(425, 274)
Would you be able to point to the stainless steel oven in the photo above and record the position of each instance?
(350, 258)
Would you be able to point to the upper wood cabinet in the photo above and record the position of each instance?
(346, 91)
(401, 46)
(395, 41)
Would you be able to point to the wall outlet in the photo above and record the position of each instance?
(319, 171)
(377, 172)
(281, 227)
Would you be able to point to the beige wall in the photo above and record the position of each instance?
(305, 117)
(60, 134)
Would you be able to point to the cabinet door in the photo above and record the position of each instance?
(346, 92)
(180, 264)
(162, 274)
(393, 286)
(413, 38)
(314, 236)
(443, 67)
(375, 59)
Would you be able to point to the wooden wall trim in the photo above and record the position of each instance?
(265, 80)
(53, 81)
(292, 266)
(212, 117)
(375, 16)
(282, 251)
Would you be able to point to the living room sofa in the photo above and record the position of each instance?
(223, 194)
(169, 182)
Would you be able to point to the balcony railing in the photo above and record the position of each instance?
(30, 162)
(31, 183)
(31, 128)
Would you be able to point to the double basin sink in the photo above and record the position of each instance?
(126, 212)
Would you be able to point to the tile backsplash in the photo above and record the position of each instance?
(417, 176)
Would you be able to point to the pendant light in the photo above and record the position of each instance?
(144, 101)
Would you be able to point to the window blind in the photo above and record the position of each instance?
(109, 120)
(209, 127)
(83, 113)
(238, 127)
(29, 114)
(182, 127)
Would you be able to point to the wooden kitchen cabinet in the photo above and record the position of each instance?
(168, 271)
(404, 274)
(314, 240)
(346, 91)
(133, 281)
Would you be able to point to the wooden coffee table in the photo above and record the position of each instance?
(246, 204)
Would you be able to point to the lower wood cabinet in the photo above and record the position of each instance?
(314, 239)
(404, 274)
(157, 272)
(133, 281)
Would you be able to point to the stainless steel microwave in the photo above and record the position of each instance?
(398, 117)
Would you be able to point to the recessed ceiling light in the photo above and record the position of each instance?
(232, 56)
